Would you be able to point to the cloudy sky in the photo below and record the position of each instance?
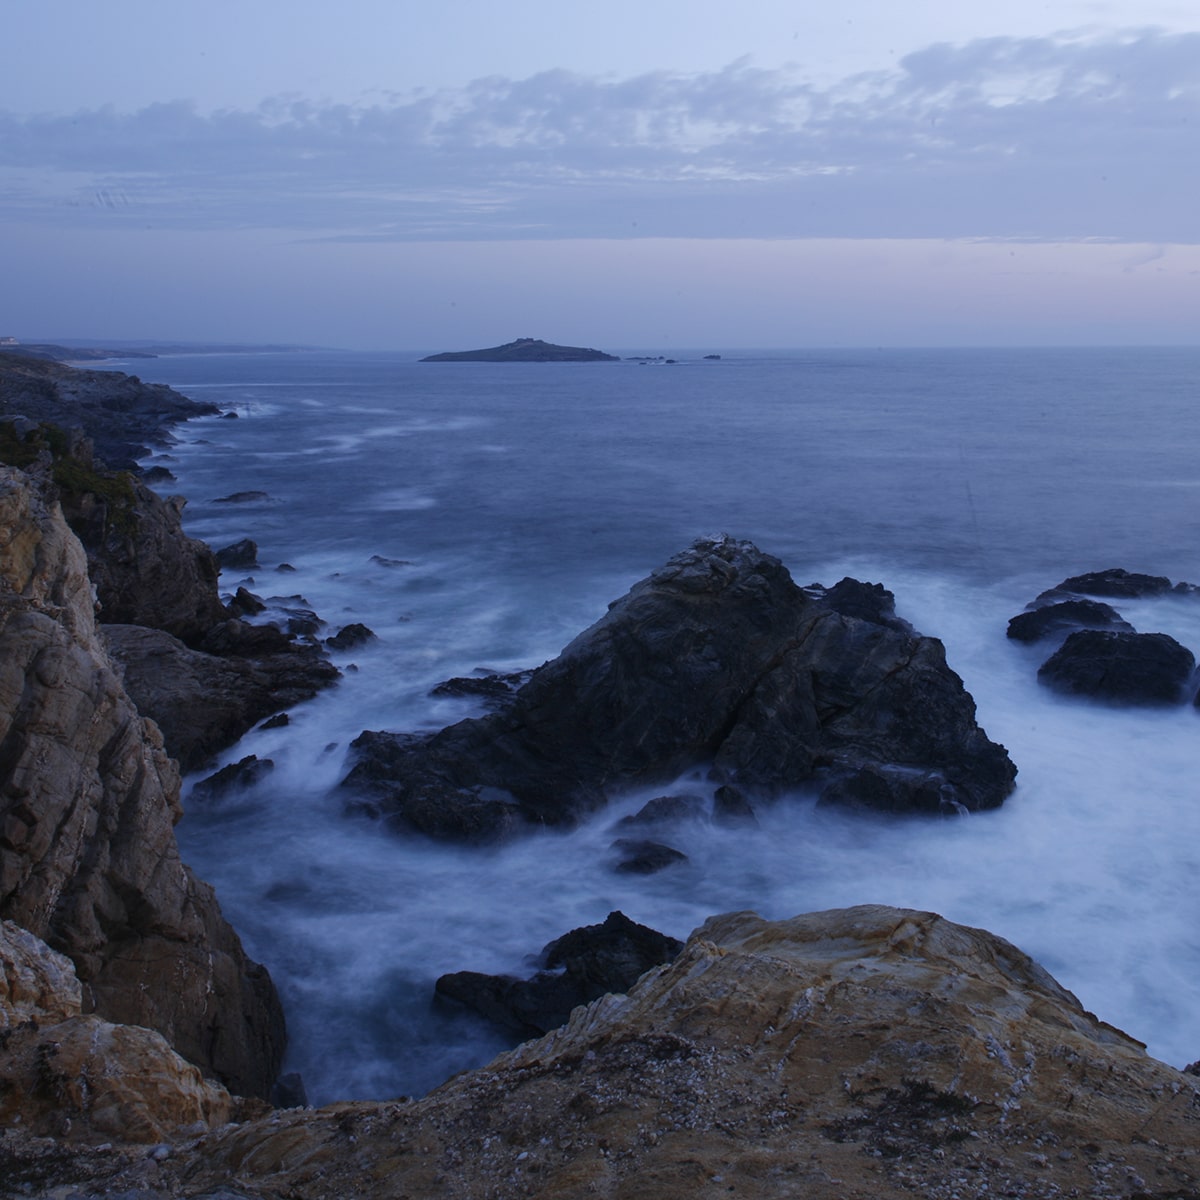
(650, 174)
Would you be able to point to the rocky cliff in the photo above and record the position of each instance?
(856, 1054)
(88, 800)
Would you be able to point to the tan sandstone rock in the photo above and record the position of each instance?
(63, 1073)
(88, 801)
(859, 1053)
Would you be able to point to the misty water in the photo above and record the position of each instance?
(510, 503)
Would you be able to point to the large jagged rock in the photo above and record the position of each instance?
(88, 800)
(66, 1073)
(718, 657)
(204, 702)
(858, 1054)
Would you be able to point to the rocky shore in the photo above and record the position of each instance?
(861, 1052)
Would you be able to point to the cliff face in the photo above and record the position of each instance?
(88, 800)
(869, 1052)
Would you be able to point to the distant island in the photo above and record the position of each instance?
(525, 350)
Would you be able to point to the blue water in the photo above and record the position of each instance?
(516, 501)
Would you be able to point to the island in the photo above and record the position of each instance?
(525, 350)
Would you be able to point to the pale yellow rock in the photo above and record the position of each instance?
(66, 1074)
(861, 1053)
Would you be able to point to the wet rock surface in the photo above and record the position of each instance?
(1128, 668)
(717, 658)
(1064, 617)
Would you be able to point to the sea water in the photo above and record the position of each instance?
(481, 515)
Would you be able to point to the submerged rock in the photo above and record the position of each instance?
(1129, 668)
(717, 658)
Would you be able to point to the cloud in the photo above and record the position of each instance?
(1035, 138)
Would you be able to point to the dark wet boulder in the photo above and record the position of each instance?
(239, 554)
(241, 497)
(717, 658)
(636, 856)
(575, 969)
(1064, 617)
(666, 810)
(246, 604)
(495, 689)
(1127, 668)
(235, 777)
(350, 636)
(1115, 582)
(731, 806)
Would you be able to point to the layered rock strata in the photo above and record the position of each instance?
(717, 658)
(868, 1052)
(88, 800)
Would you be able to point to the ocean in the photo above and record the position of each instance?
(481, 515)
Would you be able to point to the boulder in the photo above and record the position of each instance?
(351, 636)
(666, 810)
(868, 1053)
(1127, 668)
(717, 658)
(235, 777)
(1116, 582)
(204, 702)
(243, 553)
(576, 968)
(1064, 617)
(88, 801)
(639, 856)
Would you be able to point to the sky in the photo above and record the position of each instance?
(647, 176)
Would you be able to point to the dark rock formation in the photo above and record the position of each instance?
(576, 968)
(639, 857)
(88, 800)
(238, 554)
(235, 777)
(718, 657)
(1116, 582)
(241, 497)
(1066, 616)
(525, 350)
(665, 810)
(118, 412)
(350, 636)
(203, 702)
(1129, 668)
(495, 689)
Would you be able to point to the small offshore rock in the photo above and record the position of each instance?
(1129, 668)
(246, 603)
(233, 778)
(278, 721)
(158, 475)
(1116, 582)
(666, 810)
(730, 807)
(645, 857)
(242, 497)
(350, 636)
(239, 554)
(1065, 617)
(380, 561)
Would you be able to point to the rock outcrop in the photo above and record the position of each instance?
(858, 1054)
(717, 658)
(88, 800)
(118, 412)
(204, 702)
